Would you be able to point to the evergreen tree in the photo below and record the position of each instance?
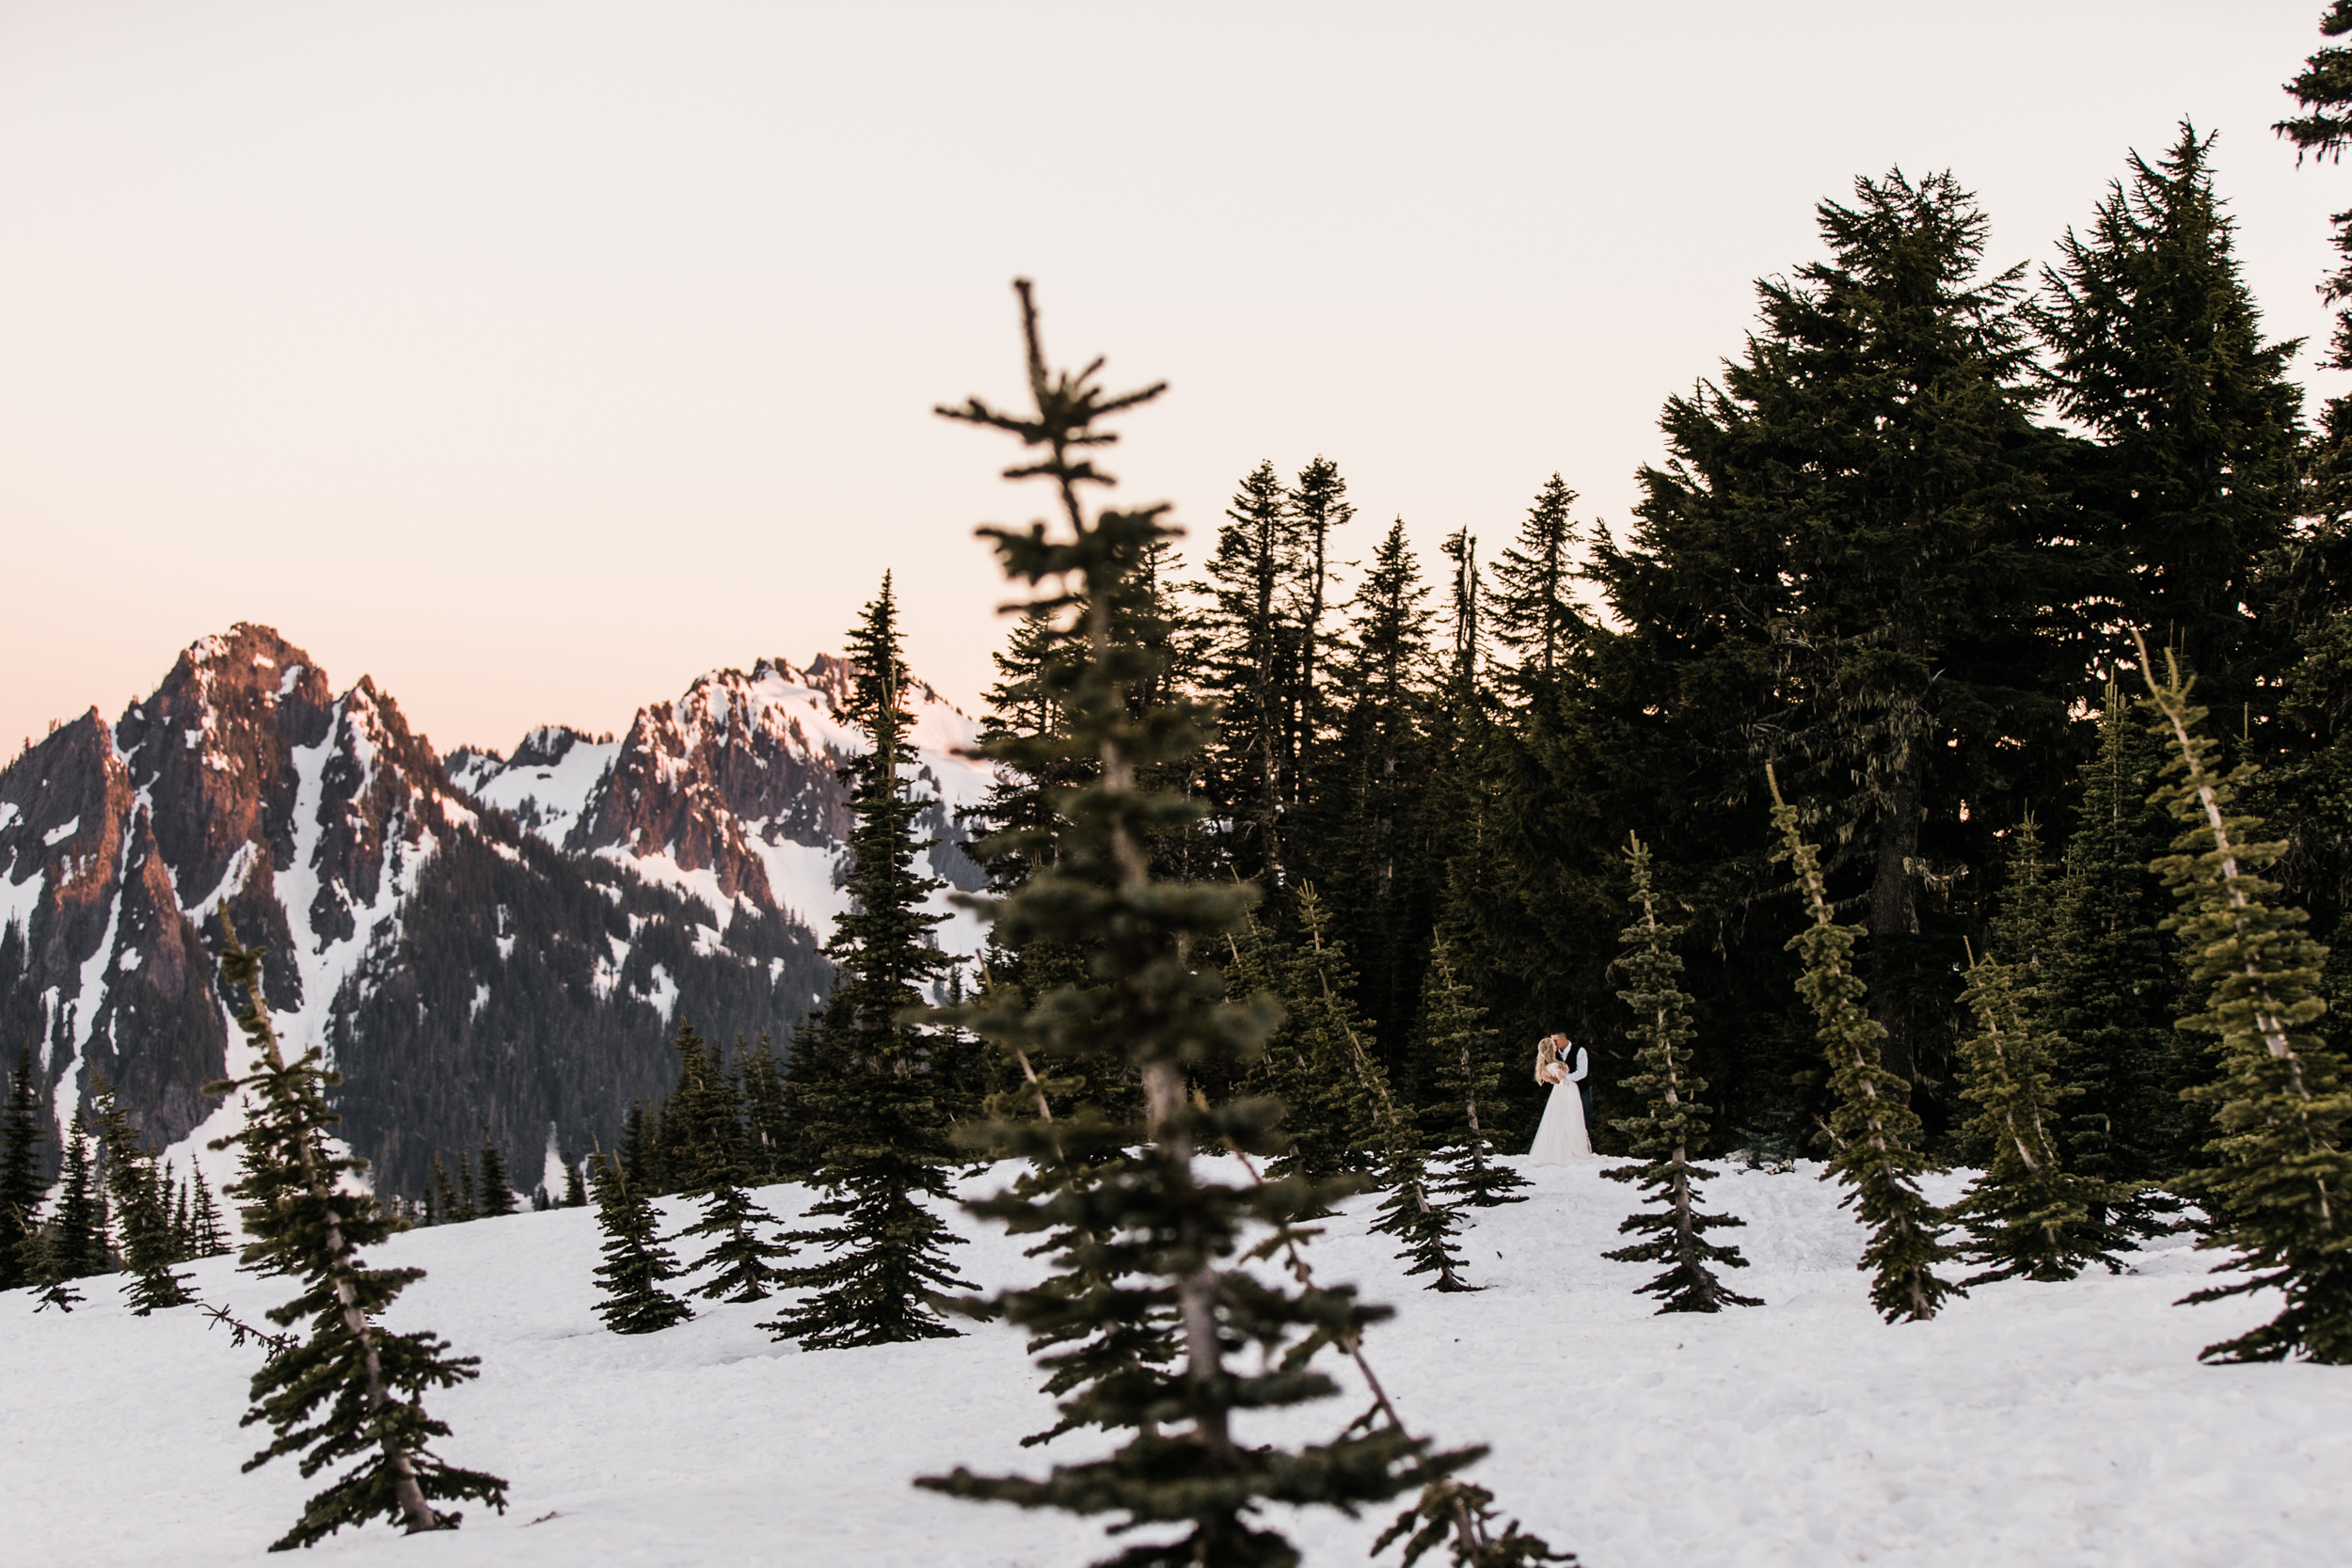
(871, 1106)
(641, 1151)
(149, 1249)
(2277, 1187)
(43, 1270)
(704, 1119)
(469, 1205)
(2324, 90)
(712, 1161)
(498, 1187)
(1152, 1001)
(204, 1219)
(1674, 1123)
(348, 1390)
(2033, 1213)
(2112, 989)
(635, 1263)
(182, 1219)
(2028, 1216)
(445, 1207)
(1372, 809)
(1873, 1129)
(767, 1114)
(1414, 1210)
(77, 1227)
(23, 1123)
(1328, 1098)
(575, 1189)
(1317, 503)
(1253, 655)
(1851, 559)
(1534, 609)
(738, 1252)
(2156, 351)
(1468, 1076)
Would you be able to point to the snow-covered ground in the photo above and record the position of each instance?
(2028, 1425)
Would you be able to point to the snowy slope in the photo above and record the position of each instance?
(2029, 1425)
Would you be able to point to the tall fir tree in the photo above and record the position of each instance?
(1317, 502)
(1372, 805)
(347, 1389)
(1532, 604)
(873, 1106)
(636, 1265)
(141, 1213)
(2323, 89)
(23, 1127)
(1850, 563)
(1673, 1124)
(1875, 1134)
(2280, 1176)
(1153, 1000)
(2155, 350)
(1252, 668)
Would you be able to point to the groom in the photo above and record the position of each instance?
(1580, 1068)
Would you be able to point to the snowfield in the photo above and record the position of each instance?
(2031, 1424)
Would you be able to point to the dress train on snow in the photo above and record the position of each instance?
(1561, 1138)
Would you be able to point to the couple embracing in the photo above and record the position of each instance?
(1563, 1134)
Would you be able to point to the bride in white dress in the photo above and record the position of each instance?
(1562, 1138)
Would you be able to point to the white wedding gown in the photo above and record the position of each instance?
(1561, 1139)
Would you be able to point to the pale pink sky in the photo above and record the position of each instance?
(533, 356)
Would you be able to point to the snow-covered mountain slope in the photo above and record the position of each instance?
(2031, 1426)
(731, 793)
(462, 975)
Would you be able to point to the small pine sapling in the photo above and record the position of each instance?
(38, 1264)
(348, 1389)
(1874, 1131)
(635, 1263)
(767, 1111)
(204, 1220)
(1674, 1124)
(22, 1124)
(2029, 1215)
(2026, 1217)
(1315, 1096)
(1468, 1075)
(575, 1186)
(1412, 1212)
(77, 1227)
(149, 1247)
(498, 1187)
(2280, 1176)
(740, 1253)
